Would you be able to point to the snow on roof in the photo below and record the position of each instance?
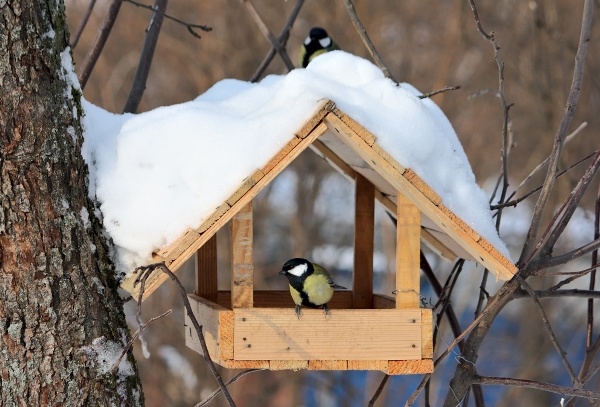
(158, 173)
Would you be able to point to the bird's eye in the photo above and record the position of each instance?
(325, 42)
(307, 41)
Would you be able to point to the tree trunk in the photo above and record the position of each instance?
(61, 318)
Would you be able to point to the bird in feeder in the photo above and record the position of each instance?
(318, 42)
(311, 285)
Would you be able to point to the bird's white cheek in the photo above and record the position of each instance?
(299, 270)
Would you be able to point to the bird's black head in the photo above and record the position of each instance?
(317, 40)
(297, 268)
(317, 33)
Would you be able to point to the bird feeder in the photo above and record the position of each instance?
(246, 328)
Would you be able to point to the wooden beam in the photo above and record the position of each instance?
(206, 270)
(242, 274)
(364, 230)
(408, 247)
(347, 334)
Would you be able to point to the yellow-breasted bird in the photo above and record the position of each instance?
(310, 284)
(318, 42)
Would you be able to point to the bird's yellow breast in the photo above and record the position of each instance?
(318, 289)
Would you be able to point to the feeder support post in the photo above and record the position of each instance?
(206, 270)
(408, 241)
(364, 229)
(242, 274)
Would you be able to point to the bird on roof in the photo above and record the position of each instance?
(318, 42)
(311, 285)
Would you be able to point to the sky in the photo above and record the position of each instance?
(158, 173)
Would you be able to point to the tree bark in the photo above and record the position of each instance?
(61, 318)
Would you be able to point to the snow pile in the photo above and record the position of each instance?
(158, 173)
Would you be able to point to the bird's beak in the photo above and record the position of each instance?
(281, 273)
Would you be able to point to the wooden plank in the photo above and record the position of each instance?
(422, 186)
(368, 365)
(364, 231)
(489, 258)
(282, 299)
(217, 327)
(381, 301)
(327, 365)
(324, 107)
(206, 270)
(275, 333)
(215, 216)
(248, 183)
(244, 364)
(426, 333)
(408, 246)
(242, 274)
(333, 159)
(437, 246)
(288, 364)
(353, 125)
(402, 367)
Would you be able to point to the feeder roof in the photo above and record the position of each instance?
(168, 179)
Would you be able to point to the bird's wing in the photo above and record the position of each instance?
(321, 270)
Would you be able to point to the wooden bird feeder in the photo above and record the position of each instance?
(245, 328)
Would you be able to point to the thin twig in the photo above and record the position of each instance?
(534, 384)
(190, 27)
(379, 390)
(133, 338)
(231, 381)
(269, 35)
(561, 219)
(138, 85)
(282, 39)
(533, 191)
(84, 21)
(575, 292)
(549, 330)
(569, 111)
(94, 53)
(435, 92)
(543, 163)
(366, 40)
(149, 269)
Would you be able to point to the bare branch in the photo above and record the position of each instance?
(282, 39)
(533, 191)
(94, 53)
(543, 163)
(82, 25)
(231, 381)
(379, 390)
(572, 255)
(141, 75)
(366, 40)
(549, 330)
(145, 271)
(534, 384)
(190, 27)
(135, 335)
(269, 35)
(435, 92)
(569, 111)
(562, 217)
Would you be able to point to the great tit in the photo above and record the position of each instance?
(310, 284)
(318, 42)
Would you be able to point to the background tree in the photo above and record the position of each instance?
(430, 44)
(61, 319)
